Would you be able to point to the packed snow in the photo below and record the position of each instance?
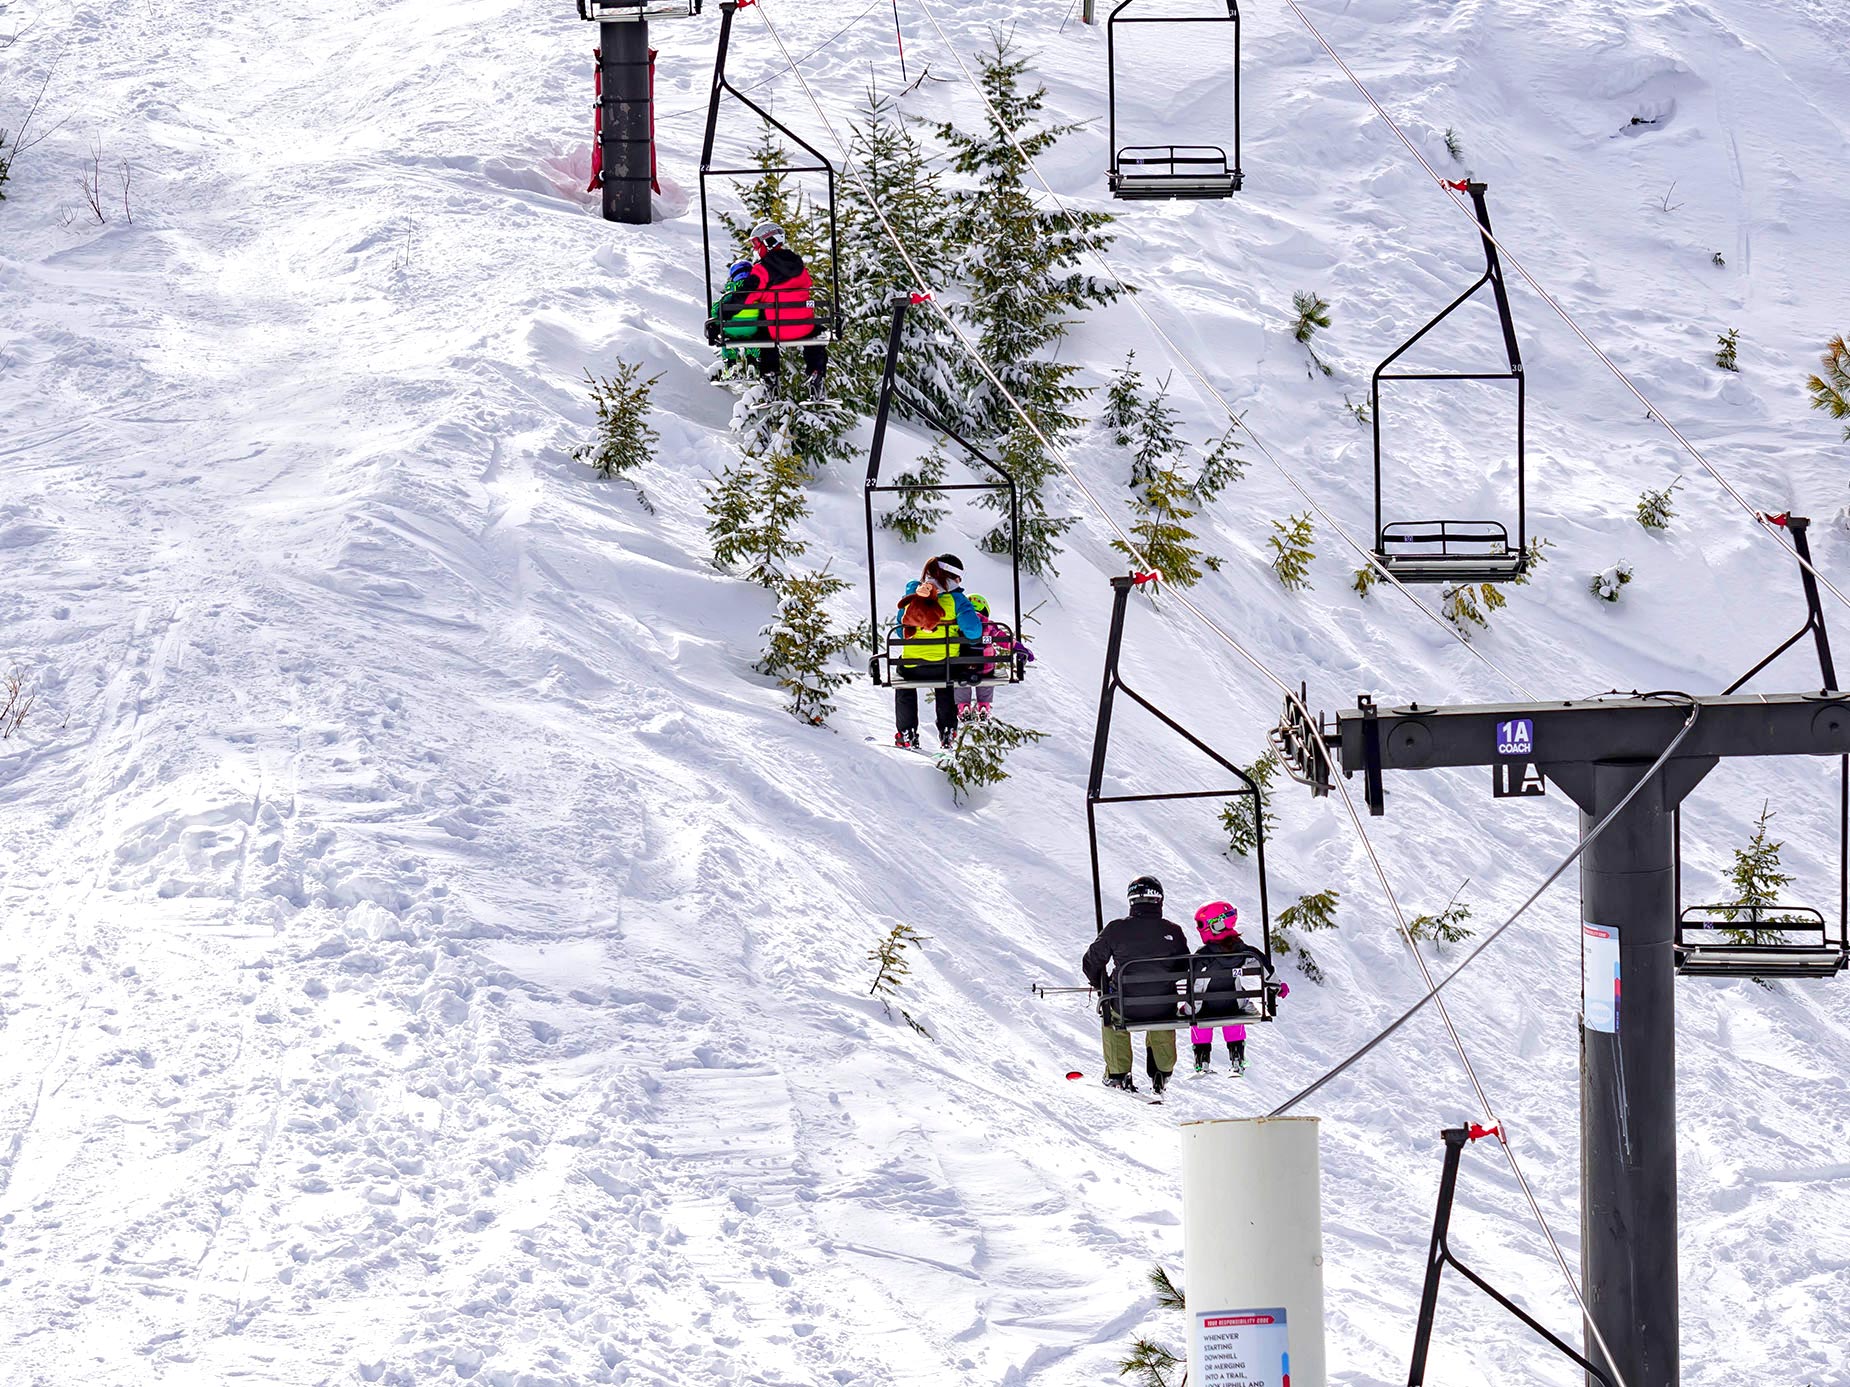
(431, 953)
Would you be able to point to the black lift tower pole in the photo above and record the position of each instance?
(626, 131)
(1597, 751)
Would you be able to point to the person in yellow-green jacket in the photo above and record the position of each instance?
(936, 619)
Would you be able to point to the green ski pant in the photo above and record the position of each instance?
(1161, 1046)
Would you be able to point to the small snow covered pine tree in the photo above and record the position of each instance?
(1537, 550)
(1123, 402)
(1470, 604)
(1220, 468)
(777, 195)
(904, 184)
(1291, 551)
(976, 758)
(1157, 447)
(1241, 816)
(892, 969)
(1162, 538)
(1655, 509)
(1023, 458)
(1757, 878)
(1313, 312)
(1454, 146)
(919, 513)
(1023, 288)
(1726, 347)
(625, 440)
(1606, 583)
(801, 641)
(1830, 391)
(1306, 915)
(753, 510)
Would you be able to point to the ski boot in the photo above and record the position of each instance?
(1120, 1081)
(906, 740)
(947, 738)
(1158, 1082)
(817, 392)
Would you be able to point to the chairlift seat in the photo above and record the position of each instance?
(1703, 948)
(1449, 551)
(1173, 171)
(959, 671)
(1160, 994)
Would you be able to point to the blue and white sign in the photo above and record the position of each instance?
(1599, 977)
(1516, 737)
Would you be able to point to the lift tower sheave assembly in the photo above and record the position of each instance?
(624, 159)
(1597, 751)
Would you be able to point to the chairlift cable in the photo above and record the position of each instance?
(1207, 386)
(772, 77)
(1560, 312)
(923, 289)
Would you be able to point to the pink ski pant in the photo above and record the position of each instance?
(1204, 1035)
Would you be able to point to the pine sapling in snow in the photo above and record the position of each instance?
(1830, 390)
(1655, 510)
(1291, 552)
(1365, 578)
(625, 440)
(1038, 544)
(1757, 878)
(1447, 926)
(1242, 816)
(1220, 468)
(1454, 146)
(1537, 551)
(1726, 347)
(892, 969)
(1162, 536)
(1606, 584)
(1360, 412)
(1306, 915)
(1123, 402)
(753, 510)
(1313, 312)
(1470, 604)
(920, 512)
(800, 643)
(1149, 1363)
(975, 760)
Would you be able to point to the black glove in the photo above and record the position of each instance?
(714, 336)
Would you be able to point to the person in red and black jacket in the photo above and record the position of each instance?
(779, 287)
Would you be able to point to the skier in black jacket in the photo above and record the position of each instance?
(1143, 933)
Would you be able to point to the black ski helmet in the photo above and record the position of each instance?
(1146, 891)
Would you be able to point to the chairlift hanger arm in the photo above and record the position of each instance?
(1493, 276)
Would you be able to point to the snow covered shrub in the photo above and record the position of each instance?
(1313, 312)
(1220, 468)
(919, 513)
(1123, 402)
(1291, 551)
(1470, 604)
(1654, 507)
(1164, 541)
(625, 441)
(1019, 270)
(1365, 578)
(800, 643)
(892, 968)
(1830, 391)
(1726, 346)
(753, 508)
(1241, 816)
(1605, 584)
(975, 761)
(1447, 926)
(1306, 915)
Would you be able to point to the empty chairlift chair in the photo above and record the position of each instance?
(1171, 170)
(960, 665)
(1457, 551)
(1203, 989)
(1770, 940)
(790, 318)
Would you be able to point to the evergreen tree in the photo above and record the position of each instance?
(1019, 271)
(1241, 816)
(778, 196)
(1291, 551)
(1306, 915)
(903, 184)
(1123, 402)
(1606, 583)
(1470, 604)
(976, 759)
(1157, 447)
(892, 969)
(919, 513)
(779, 417)
(1757, 878)
(625, 439)
(1447, 926)
(1313, 312)
(1830, 391)
(1220, 468)
(1655, 508)
(800, 642)
(1727, 349)
(1162, 538)
(753, 509)
(1023, 458)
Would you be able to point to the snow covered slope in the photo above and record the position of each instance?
(430, 953)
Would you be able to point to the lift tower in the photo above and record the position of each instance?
(625, 156)
(1597, 751)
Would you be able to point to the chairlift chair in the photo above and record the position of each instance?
(1457, 551)
(1170, 171)
(822, 301)
(1202, 989)
(962, 667)
(1803, 945)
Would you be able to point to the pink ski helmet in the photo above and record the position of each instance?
(1217, 920)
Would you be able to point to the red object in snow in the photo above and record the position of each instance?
(1075, 1074)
